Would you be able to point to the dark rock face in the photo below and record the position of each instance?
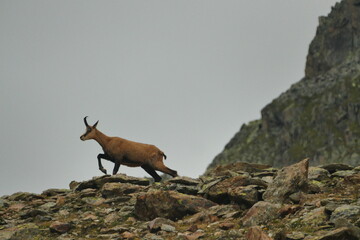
(319, 116)
(337, 39)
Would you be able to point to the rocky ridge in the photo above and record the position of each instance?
(237, 201)
(319, 116)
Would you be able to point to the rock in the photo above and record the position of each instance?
(202, 217)
(219, 192)
(261, 212)
(224, 211)
(318, 174)
(168, 204)
(2, 221)
(343, 233)
(184, 181)
(342, 174)
(289, 209)
(55, 192)
(342, 222)
(186, 189)
(98, 182)
(316, 217)
(27, 231)
(247, 195)
(113, 189)
(295, 236)
(289, 180)
(16, 207)
(238, 167)
(156, 224)
(122, 178)
(111, 218)
(255, 233)
(32, 213)
(193, 236)
(226, 225)
(128, 235)
(353, 179)
(60, 227)
(334, 167)
(47, 206)
(24, 196)
(167, 228)
(349, 212)
(3, 203)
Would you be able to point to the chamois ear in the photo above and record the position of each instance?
(95, 124)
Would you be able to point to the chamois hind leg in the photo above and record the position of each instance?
(152, 172)
(116, 168)
(159, 165)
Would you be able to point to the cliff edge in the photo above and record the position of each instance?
(319, 116)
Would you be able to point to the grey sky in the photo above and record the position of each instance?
(183, 75)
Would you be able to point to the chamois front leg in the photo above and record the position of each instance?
(99, 157)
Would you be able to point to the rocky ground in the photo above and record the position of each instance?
(237, 201)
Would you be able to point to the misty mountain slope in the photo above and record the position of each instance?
(319, 116)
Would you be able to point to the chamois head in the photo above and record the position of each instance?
(90, 131)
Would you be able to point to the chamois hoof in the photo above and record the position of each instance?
(103, 170)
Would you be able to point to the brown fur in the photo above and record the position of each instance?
(129, 153)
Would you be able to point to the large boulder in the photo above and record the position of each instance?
(224, 191)
(289, 180)
(168, 204)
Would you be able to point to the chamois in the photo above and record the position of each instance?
(129, 153)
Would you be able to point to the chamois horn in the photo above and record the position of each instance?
(86, 124)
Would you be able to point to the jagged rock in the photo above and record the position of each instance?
(295, 236)
(349, 212)
(94, 201)
(113, 189)
(168, 204)
(289, 180)
(219, 192)
(60, 227)
(343, 174)
(28, 231)
(202, 217)
(247, 195)
(224, 211)
(222, 170)
(343, 233)
(226, 225)
(55, 192)
(353, 179)
(98, 182)
(156, 224)
(255, 233)
(260, 213)
(318, 174)
(334, 167)
(3, 203)
(185, 181)
(24, 196)
(316, 217)
(32, 213)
